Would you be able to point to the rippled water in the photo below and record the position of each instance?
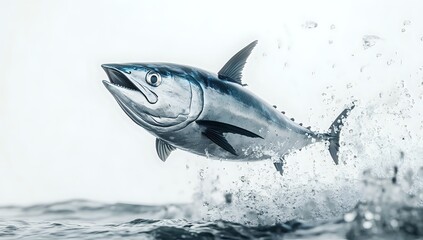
(387, 213)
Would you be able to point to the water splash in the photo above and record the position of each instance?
(389, 209)
(385, 130)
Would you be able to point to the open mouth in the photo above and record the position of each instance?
(118, 78)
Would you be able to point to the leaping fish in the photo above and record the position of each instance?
(212, 115)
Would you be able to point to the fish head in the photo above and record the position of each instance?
(154, 96)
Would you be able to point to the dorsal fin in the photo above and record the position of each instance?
(232, 71)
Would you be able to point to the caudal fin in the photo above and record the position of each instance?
(334, 132)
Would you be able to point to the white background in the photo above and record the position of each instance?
(63, 136)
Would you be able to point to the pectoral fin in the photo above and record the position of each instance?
(214, 131)
(218, 138)
(163, 149)
(226, 128)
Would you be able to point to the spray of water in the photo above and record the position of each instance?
(383, 133)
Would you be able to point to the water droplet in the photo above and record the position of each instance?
(330, 41)
(349, 85)
(389, 62)
(419, 173)
(394, 223)
(406, 22)
(369, 41)
(310, 25)
(332, 27)
(367, 225)
(228, 198)
(379, 55)
(349, 217)
(403, 30)
(350, 131)
(368, 215)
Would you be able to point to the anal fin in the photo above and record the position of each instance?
(279, 166)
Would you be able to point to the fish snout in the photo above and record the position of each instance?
(116, 75)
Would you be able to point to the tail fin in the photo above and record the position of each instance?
(334, 132)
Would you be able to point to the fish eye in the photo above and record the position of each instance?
(153, 78)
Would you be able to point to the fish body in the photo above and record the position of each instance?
(212, 115)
